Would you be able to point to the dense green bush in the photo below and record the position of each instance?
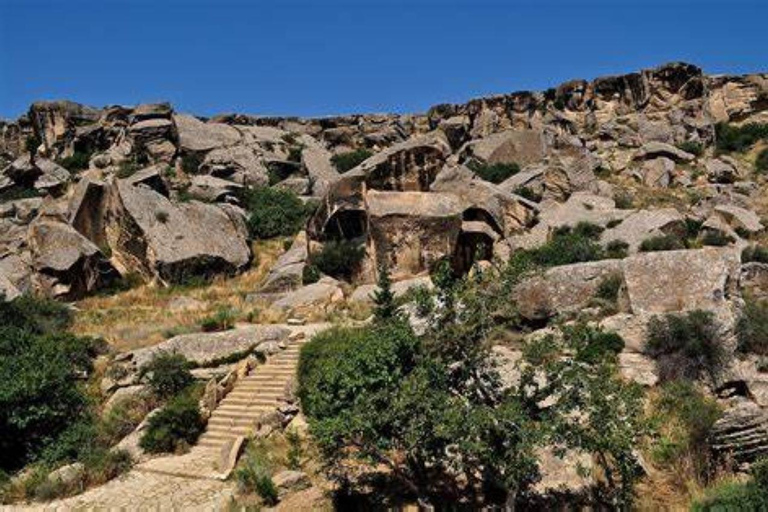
(687, 346)
(40, 369)
(617, 249)
(167, 374)
(274, 212)
(662, 243)
(761, 162)
(739, 138)
(752, 328)
(191, 162)
(338, 258)
(592, 345)
(495, 173)
(175, 427)
(570, 245)
(716, 238)
(694, 148)
(345, 162)
(754, 253)
(310, 274)
(737, 496)
(78, 161)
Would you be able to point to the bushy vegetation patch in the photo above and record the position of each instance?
(692, 147)
(274, 212)
(338, 258)
(78, 161)
(255, 474)
(40, 370)
(432, 409)
(671, 242)
(495, 173)
(752, 327)
(167, 374)
(732, 495)
(345, 162)
(754, 253)
(569, 245)
(682, 417)
(739, 138)
(222, 320)
(175, 427)
(687, 346)
(761, 162)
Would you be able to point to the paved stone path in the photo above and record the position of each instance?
(191, 481)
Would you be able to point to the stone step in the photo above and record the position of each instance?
(253, 413)
(251, 388)
(249, 402)
(244, 393)
(226, 425)
(252, 406)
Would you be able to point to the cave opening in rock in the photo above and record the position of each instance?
(346, 225)
(479, 214)
(471, 247)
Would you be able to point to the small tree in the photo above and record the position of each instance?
(167, 374)
(383, 298)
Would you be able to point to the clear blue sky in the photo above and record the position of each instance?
(322, 57)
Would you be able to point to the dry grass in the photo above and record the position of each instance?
(141, 317)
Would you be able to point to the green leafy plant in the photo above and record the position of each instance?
(731, 138)
(310, 274)
(692, 147)
(78, 161)
(687, 346)
(669, 242)
(495, 173)
(384, 306)
(617, 249)
(609, 287)
(338, 258)
(295, 449)
(761, 162)
(191, 162)
(175, 427)
(345, 162)
(167, 374)
(222, 320)
(254, 475)
(752, 327)
(570, 245)
(754, 253)
(274, 212)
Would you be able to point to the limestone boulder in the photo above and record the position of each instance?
(320, 294)
(658, 172)
(742, 432)
(198, 136)
(643, 224)
(719, 171)
(68, 264)
(740, 219)
(157, 238)
(286, 274)
(564, 289)
(523, 147)
(754, 279)
(204, 348)
(239, 164)
(681, 280)
(317, 162)
(212, 189)
(656, 149)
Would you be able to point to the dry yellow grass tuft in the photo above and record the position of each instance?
(142, 317)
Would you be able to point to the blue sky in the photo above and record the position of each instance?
(312, 58)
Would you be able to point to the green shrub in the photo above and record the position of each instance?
(274, 212)
(167, 374)
(662, 243)
(761, 162)
(127, 168)
(338, 258)
(683, 417)
(739, 138)
(694, 148)
(754, 253)
(222, 320)
(528, 193)
(295, 450)
(123, 418)
(345, 162)
(752, 328)
(617, 249)
(77, 162)
(732, 496)
(31, 143)
(593, 345)
(294, 154)
(40, 370)
(254, 475)
(495, 173)
(716, 238)
(687, 346)
(175, 427)
(609, 286)
(310, 274)
(624, 200)
(191, 162)
(569, 245)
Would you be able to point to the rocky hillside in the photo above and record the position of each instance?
(638, 199)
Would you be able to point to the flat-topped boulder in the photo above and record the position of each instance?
(197, 136)
(660, 282)
(204, 348)
(641, 225)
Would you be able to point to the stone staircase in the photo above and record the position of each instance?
(236, 417)
(253, 396)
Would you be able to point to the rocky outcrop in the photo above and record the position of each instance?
(742, 433)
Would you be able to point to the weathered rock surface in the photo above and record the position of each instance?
(742, 432)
